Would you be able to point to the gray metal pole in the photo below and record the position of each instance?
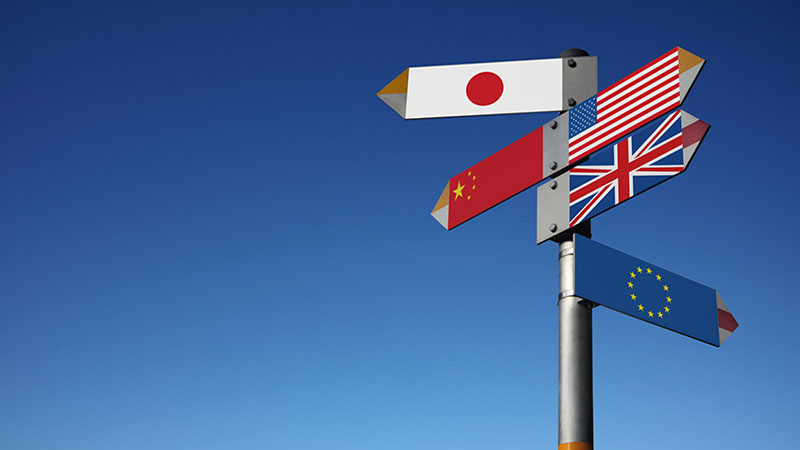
(575, 421)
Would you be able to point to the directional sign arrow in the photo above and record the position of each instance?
(617, 173)
(493, 180)
(647, 292)
(492, 88)
(632, 102)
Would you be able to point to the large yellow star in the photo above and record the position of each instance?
(630, 285)
(669, 299)
(633, 296)
(641, 308)
(660, 314)
(650, 313)
(666, 288)
(666, 308)
(649, 271)
(633, 275)
(458, 190)
(658, 277)
(639, 269)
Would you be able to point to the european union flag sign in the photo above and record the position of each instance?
(645, 291)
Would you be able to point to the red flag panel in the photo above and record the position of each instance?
(495, 179)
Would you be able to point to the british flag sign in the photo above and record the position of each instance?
(617, 173)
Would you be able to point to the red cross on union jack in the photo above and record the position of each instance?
(624, 175)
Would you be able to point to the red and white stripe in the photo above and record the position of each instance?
(630, 103)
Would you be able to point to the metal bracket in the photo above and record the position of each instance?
(588, 303)
(579, 80)
(555, 145)
(565, 294)
(552, 208)
(581, 301)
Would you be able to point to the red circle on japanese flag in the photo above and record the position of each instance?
(484, 88)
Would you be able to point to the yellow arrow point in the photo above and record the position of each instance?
(398, 86)
(686, 60)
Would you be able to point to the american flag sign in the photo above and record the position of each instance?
(632, 102)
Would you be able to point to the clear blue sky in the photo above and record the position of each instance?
(215, 236)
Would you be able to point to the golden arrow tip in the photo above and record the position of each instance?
(395, 94)
(688, 60)
(441, 210)
(398, 86)
(689, 66)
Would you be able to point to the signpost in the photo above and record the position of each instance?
(596, 164)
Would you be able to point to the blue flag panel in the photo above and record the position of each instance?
(617, 173)
(645, 291)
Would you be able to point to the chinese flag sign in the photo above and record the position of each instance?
(491, 181)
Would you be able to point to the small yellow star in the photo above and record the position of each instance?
(660, 315)
(669, 299)
(458, 190)
(469, 197)
(633, 275)
(473, 178)
(469, 174)
(666, 308)
(633, 296)
(650, 313)
(473, 187)
(658, 277)
(630, 285)
(639, 269)
(666, 288)
(649, 271)
(641, 308)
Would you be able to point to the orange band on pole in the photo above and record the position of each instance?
(575, 446)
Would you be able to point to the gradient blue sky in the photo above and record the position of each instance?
(215, 236)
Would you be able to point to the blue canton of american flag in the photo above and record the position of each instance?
(583, 116)
(634, 165)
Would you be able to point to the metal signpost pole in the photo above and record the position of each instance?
(575, 420)
(575, 423)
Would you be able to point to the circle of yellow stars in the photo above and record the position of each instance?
(640, 307)
(459, 190)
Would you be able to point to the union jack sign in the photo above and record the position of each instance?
(615, 174)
